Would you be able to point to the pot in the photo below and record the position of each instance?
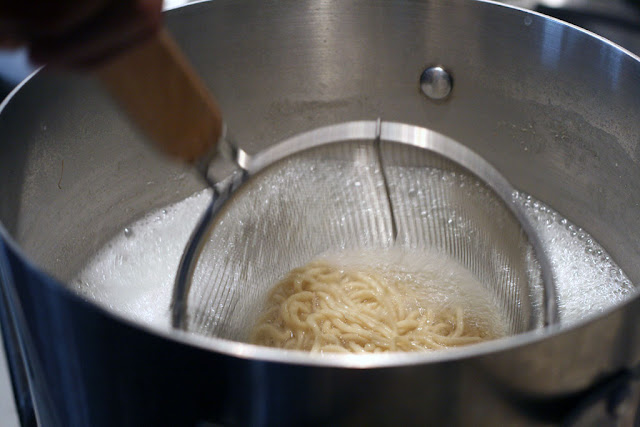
(555, 109)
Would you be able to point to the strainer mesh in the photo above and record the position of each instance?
(333, 198)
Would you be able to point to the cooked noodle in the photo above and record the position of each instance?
(323, 308)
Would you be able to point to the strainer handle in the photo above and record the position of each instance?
(155, 84)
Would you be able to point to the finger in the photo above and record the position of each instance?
(95, 41)
(10, 43)
(9, 39)
(47, 18)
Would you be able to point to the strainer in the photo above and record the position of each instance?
(357, 185)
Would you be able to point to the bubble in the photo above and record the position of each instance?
(587, 280)
(138, 282)
(133, 273)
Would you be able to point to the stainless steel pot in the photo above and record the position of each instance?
(555, 109)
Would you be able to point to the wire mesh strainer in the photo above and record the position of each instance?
(357, 185)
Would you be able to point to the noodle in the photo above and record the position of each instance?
(322, 308)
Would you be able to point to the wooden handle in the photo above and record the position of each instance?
(161, 92)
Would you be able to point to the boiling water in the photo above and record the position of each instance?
(587, 279)
(133, 274)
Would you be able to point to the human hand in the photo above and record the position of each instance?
(77, 34)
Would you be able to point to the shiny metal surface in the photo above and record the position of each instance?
(436, 83)
(359, 185)
(222, 190)
(616, 20)
(555, 110)
(225, 156)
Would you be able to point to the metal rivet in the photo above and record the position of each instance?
(436, 83)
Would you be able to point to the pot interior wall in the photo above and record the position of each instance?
(554, 110)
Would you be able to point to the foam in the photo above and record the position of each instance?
(587, 279)
(134, 273)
